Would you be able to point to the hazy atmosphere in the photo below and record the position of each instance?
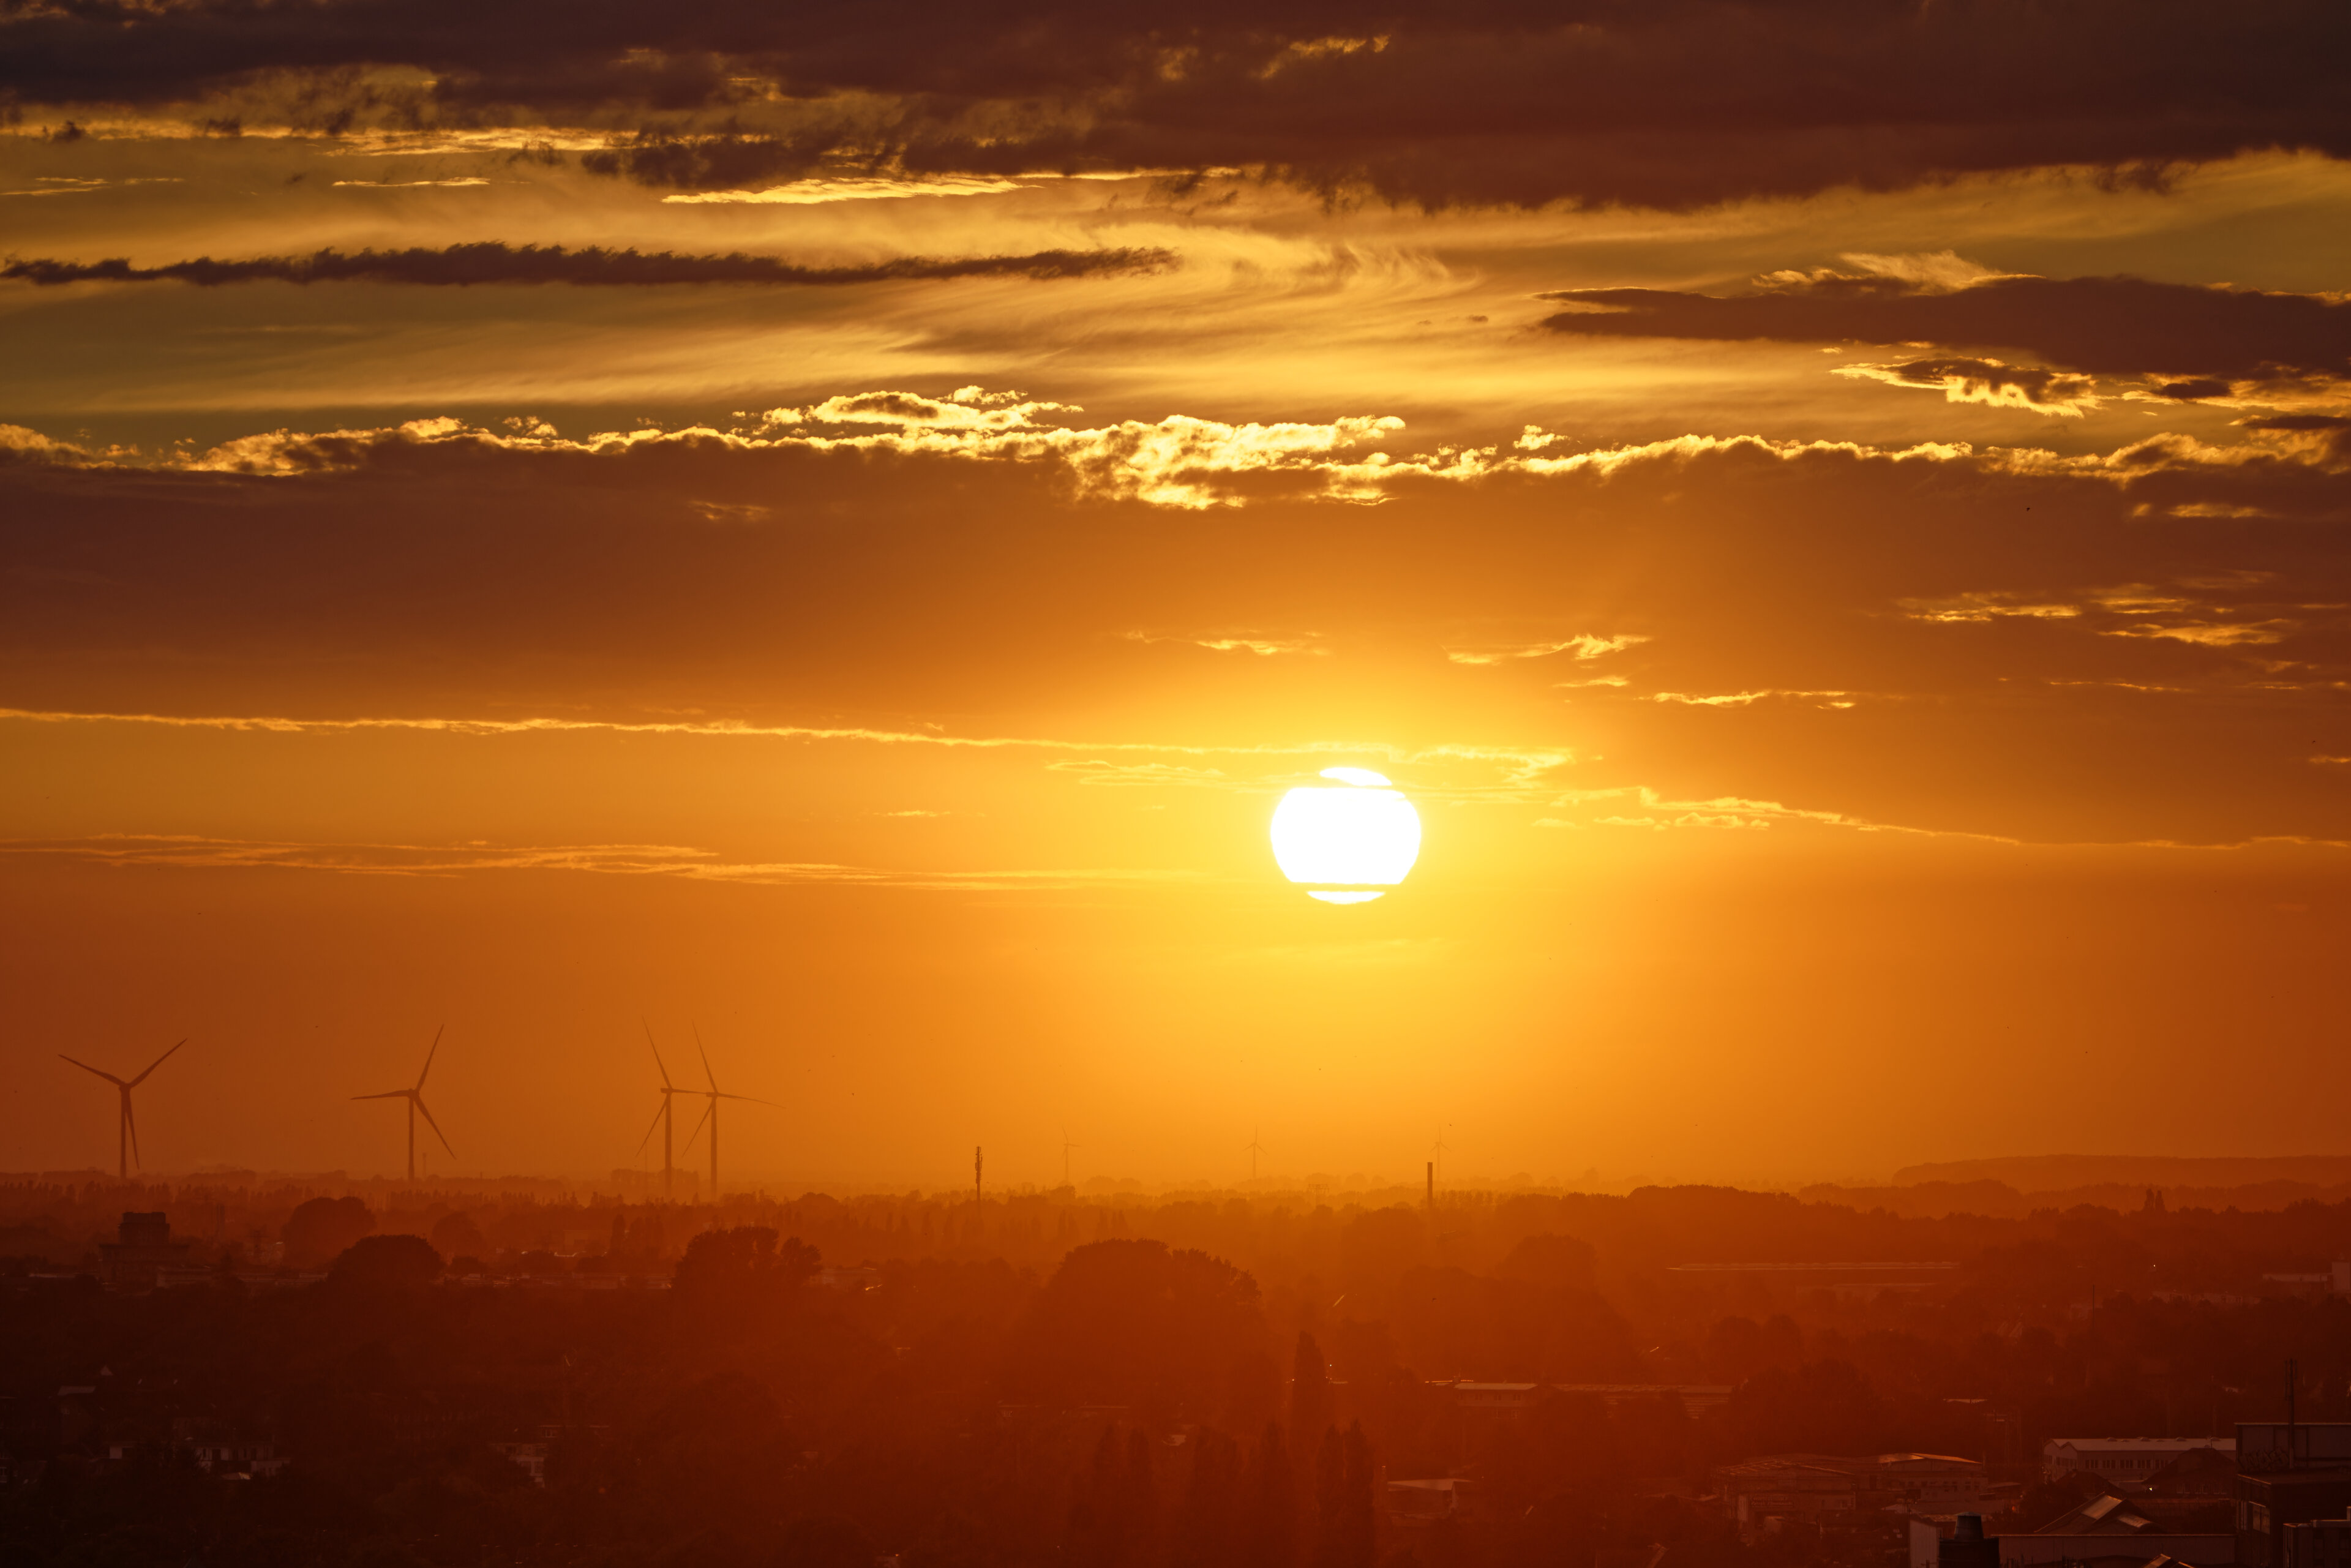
(1303, 785)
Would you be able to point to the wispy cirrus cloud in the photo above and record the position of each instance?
(1155, 774)
(2231, 611)
(79, 184)
(2212, 633)
(194, 851)
(1582, 645)
(1515, 768)
(1265, 645)
(1640, 806)
(1745, 699)
(1990, 382)
(1987, 605)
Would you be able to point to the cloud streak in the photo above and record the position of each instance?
(1582, 645)
(1517, 765)
(1744, 699)
(492, 262)
(1660, 811)
(2097, 326)
(189, 851)
(1990, 382)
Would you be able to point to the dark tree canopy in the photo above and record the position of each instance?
(387, 1262)
(457, 1233)
(1133, 1323)
(324, 1226)
(727, 1273)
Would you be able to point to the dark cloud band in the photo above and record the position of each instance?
(2100, 326)
(490, 263)
(1673, 103)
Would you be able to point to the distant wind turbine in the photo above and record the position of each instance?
(710, 1113)
(1253, 1149)
(1066, 1147)
(662, 1118)
(416, 1097)
(127, 1130)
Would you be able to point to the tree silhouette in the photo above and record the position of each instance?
(1113, 1522)
(322, 1228)
(1345, 1530)
(1132, 1323)
(455, 1232)
(727, 1274)
(386, 1263)
(1141, 1498)
(1269, 1509)
(1205, 1523)
(1310, 1395)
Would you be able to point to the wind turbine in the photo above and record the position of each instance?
(710, 1114)
(662, 1118)
(1066, 1147)
(416, 1097)
(1253, 1149)
(127, 1131)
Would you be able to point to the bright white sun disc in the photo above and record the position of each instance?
(1346, 841)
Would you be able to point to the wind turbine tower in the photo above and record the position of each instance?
(416, 1097)
(1253, 1149)
(710, 1114)
(1066, 1147)
(664, 1121)
(126, 1129)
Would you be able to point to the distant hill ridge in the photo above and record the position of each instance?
(2056, 1173)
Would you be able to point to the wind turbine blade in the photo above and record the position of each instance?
(658, 1062)
(86, 1066)
(387, 1094)
(746, 1098)
(706, 1111)
(157, 1062)
(419, 1101)
(428, 1057)
(652, 1130)
(705, 1058)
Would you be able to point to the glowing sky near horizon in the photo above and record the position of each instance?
(533, 521)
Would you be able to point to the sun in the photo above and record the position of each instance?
(1346, 844)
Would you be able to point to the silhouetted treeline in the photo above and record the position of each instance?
(1044, 1381)
(1278, 1237)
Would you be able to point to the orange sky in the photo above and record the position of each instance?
(1853, 581)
